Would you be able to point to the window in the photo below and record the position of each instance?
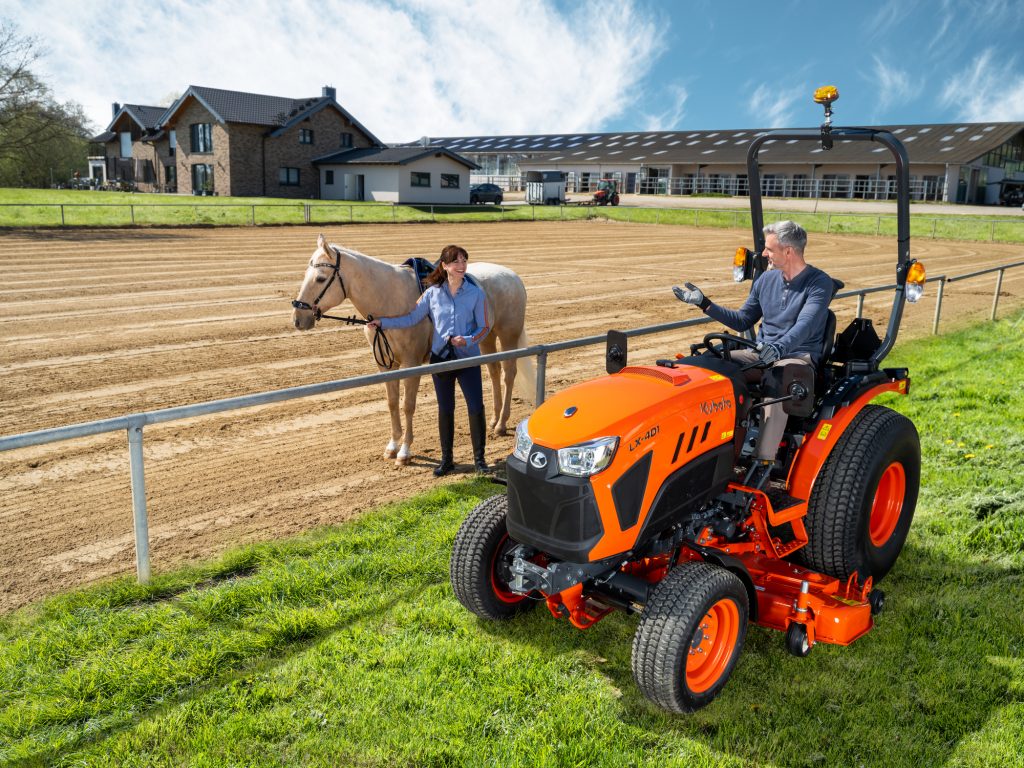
(306, 136)
(288, 177)
(449, 181)
(126, 144)
(329, 178)
(171, 175)
(202, 137)
(202, 178)
(346, 139)
(420, 179)
(173, 141)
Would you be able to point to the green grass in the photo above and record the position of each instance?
(54, 208)
(347, 647)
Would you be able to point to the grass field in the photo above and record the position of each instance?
(347, 647)
(49, 208)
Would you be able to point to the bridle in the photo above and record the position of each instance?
(382, 352)
(335, 275)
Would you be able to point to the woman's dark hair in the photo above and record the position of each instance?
(448, 255)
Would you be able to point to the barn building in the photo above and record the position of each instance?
(953, 162)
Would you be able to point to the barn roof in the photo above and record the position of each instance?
(926, 143)
(390, 156)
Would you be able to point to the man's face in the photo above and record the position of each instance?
(778, 256)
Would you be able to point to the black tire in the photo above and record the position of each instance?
(473, 200)
(615, 200)
(478, 559)
(797, 642)
(671, 635)
(863, 501)
(497, 200)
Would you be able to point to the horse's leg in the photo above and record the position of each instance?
(508, 367)
(488, 347)
(410, 387)
(396, 424)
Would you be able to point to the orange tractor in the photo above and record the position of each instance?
(633, 491)
(607, 192)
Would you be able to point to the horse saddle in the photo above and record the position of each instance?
(422, 268)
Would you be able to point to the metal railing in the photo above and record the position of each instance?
(134, 423)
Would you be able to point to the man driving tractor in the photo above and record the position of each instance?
(792, 301)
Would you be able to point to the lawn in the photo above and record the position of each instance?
(55, 208)
(347, 647)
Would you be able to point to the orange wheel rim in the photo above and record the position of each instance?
(500, 588)
(712, 645)
(887, 504)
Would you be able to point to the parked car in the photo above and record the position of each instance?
(486, 193)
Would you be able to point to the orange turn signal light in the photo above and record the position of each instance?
(915, 281)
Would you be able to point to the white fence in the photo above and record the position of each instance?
(134, 423)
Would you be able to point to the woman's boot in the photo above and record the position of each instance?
(446, 431)
(478, 434)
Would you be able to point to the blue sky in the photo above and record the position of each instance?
(407, 68)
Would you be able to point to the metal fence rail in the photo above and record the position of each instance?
(134, 423)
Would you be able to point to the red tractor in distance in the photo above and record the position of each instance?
(636, 491)
(607, 192)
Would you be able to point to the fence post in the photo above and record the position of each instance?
(999, 286)
(696, 217)
(992, 235)
(938, 307)
(252, 218)
(860, 305)
(351, 215)
(828, 223)
(432, 214)
(542, 364)
(131, 210)
(935, 223)
(878, 225)
(62, 215)
(139, 502)
(657, 216)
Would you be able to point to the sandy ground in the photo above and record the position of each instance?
(96, 324)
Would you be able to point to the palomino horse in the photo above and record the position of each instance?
(385, 290)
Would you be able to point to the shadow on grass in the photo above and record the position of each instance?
(929, 677)
(89, 234)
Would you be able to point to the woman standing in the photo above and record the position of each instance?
(458, 310)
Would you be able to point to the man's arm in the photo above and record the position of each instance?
(738, 319)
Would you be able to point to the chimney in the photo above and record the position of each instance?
(424, 141)
(330, 92)
(115, 108)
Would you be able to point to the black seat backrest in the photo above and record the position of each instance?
(829, 341)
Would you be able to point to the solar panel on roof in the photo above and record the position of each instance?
(661, 152)
(709, 151)
(639, 157)
(691, 143)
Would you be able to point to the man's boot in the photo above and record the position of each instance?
(478, 433)
(446, 431)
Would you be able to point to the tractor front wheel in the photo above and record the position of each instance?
(480, 563)
(863, 501)
(690, 636)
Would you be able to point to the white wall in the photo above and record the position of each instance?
(380, 182)
(435, 166)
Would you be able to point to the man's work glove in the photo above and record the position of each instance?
(692, 295)
(768, 353)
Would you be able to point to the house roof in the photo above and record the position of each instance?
(275, 112)
(146, 117)
(390, 156)
(927, 143)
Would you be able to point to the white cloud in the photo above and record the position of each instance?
(894, 84)
(986, 91)
(773, 108)
(404, 69)
(668, 119)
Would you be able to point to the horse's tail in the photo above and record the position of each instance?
(526, 372)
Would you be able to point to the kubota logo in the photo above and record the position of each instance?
(538, 460)
(709, 407)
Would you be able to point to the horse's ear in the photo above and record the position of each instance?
(321, 241)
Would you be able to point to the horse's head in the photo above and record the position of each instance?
(322, 287)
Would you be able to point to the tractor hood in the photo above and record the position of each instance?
(620, 404)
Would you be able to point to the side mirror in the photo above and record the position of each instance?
(615, 352)
(795, 382)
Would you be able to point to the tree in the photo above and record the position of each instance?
(38, 135)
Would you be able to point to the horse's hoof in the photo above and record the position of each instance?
(402, 461)
(390, 453)
(499, 431)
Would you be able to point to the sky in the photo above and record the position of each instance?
(412, 68)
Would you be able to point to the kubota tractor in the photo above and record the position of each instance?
(634, 491)
(607, 192)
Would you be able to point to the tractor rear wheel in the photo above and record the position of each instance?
(863, 501)
(690, 636)
(480, 562)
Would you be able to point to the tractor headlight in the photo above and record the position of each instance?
(588, 458)
(523, 442)
(915, 282)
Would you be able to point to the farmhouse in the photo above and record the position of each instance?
(213, 141)
(421, 174)
(955, 162)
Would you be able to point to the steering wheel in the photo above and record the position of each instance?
(729, 343)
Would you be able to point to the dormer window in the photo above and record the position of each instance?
(202, 137)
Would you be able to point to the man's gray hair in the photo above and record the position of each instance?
(789, 233)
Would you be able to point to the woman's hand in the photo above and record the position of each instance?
(375, 323)
(458, 341)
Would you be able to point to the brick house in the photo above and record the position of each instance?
(135, 149)
(248, 144)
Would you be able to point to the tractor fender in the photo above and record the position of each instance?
(823, 435)
(732, 564)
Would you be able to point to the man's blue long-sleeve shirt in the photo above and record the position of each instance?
(793, 312)
(464, 314)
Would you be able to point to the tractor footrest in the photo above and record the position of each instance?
(785, 508)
